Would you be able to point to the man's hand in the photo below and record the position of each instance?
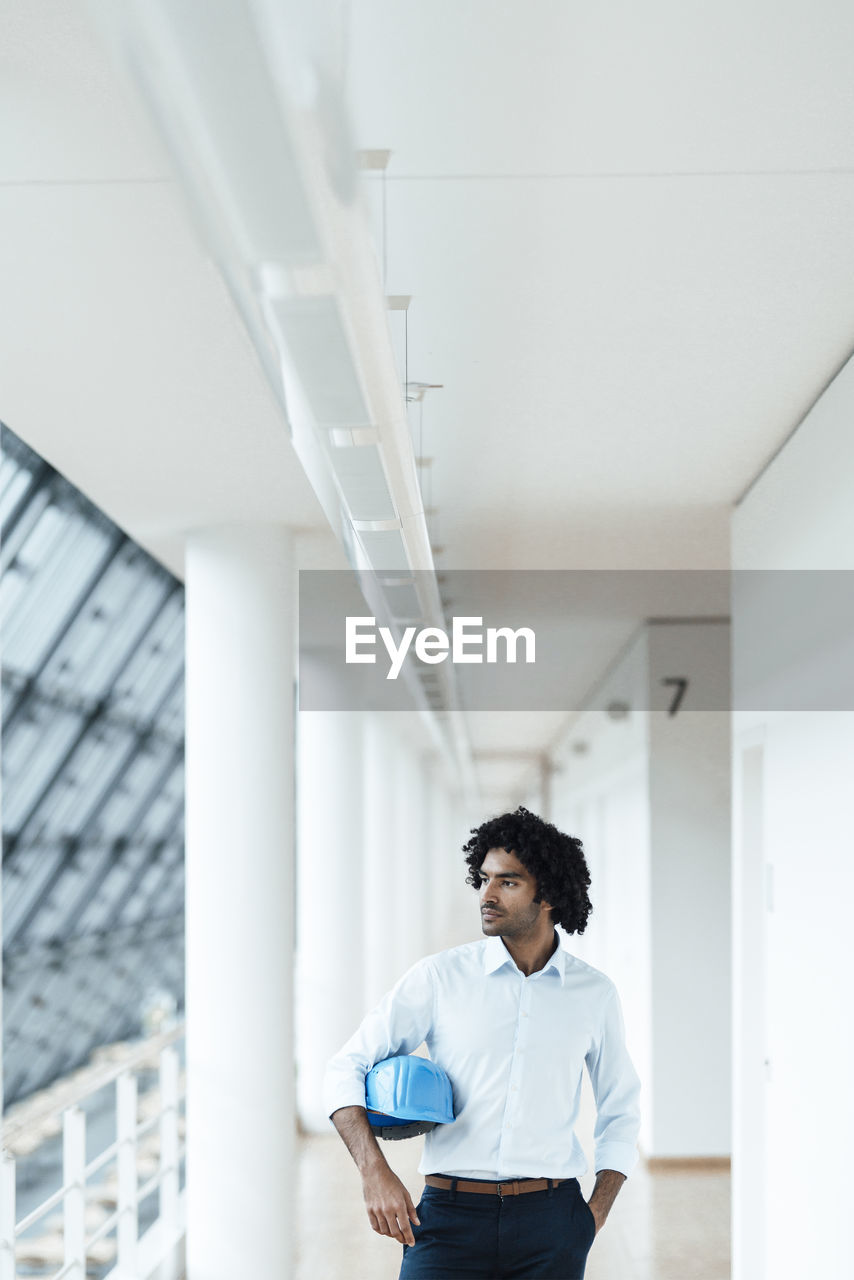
(389, 1204)
(608, 1183)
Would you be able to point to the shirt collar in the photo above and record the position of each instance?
(496, 955)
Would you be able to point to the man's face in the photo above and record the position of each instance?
(507, 892)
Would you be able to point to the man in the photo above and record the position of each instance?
(512, 1019)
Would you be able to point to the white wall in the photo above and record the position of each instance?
(601, 793)
(794, 885)
(649, 795)
(689, 806)
(603, 797)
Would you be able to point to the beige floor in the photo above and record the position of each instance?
(665, 1226)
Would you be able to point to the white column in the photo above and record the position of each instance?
(464, 913)
(379, 896)
(412, 869)
(239, 905)
(330, 876)
(436, 856)
(454, 915)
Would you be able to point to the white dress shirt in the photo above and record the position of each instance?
(514, 1048)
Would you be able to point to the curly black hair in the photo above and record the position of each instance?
(555, 860)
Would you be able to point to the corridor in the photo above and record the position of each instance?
(415, 412)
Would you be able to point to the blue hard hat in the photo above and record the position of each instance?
(407, 1095)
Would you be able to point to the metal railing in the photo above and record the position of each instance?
(136, 1258)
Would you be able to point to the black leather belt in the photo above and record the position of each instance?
(516, 1187)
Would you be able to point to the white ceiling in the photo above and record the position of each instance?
(626, 233)
(563, 86)
(122, 359)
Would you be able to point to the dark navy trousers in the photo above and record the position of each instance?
(545, 1235)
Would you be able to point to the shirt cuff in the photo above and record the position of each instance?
(621, 1156)
(343, 1095)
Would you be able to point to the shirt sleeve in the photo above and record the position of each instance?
(616, 1088)
(399, 1023)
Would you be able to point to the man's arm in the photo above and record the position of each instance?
(608, 1183)
(399, 1023)
(615, 1088)
(389, 1204)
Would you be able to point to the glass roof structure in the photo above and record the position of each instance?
(92, 634)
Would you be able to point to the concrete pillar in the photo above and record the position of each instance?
(330, 877)
(412, 869)
(438, 905)
(239, 904)
(379, 894)
(455, 916)
(463, 918)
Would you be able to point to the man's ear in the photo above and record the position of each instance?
(545, 906)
